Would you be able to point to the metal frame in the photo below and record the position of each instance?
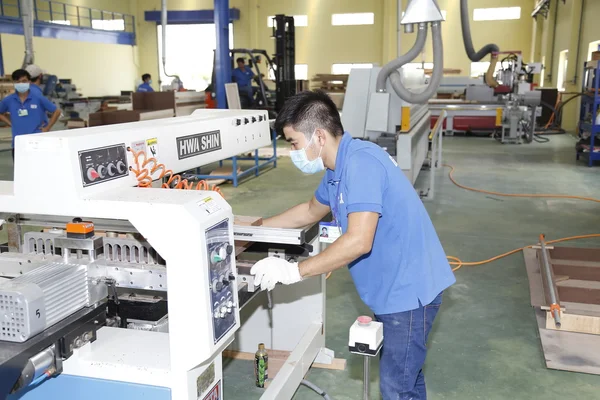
(259, 162)
(435, 158)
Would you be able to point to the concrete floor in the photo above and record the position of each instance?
(484, 344)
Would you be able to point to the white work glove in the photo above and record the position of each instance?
(273, 270)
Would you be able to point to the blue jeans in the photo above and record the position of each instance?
(404, 349)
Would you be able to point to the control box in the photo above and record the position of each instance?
(103, 164)
(366, 336)
(221, 277)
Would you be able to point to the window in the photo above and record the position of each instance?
(442, 11)
(301, 72)
(195, 68)
(353, 19)
(109, 24)
(496, 14)
(344, 69)
(60, 22)
(299, 20)
(593, 47)
(480, 68)
(563, 61)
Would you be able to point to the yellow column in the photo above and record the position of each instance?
(390, 8)
(574, 69)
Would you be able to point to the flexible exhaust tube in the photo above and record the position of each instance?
(163, 23)
(466, 32)
(436, 75)
(393, 65)
(27, 16)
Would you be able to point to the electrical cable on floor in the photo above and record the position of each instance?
(315, 388)
(458, 263)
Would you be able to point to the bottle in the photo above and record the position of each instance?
(261, 366)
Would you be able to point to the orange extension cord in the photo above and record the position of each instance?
(146, 167)
(458, 263)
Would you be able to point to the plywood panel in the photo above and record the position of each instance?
(574, 323)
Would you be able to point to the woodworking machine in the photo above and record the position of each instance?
(129, 292)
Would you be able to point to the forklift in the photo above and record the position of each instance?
(281, 66)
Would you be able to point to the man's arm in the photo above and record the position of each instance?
(353, 244)
(5, 119)
(53, 119)
(299, 216)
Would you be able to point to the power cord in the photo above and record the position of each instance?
(458, 263)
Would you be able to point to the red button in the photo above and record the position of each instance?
(364, 320)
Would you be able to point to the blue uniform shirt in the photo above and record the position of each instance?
(35, 107)
(243, 78)
(145, 87)
(407, 264)
(38, 90)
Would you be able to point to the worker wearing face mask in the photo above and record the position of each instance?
(384, 235)
(27, 109)
(145, 86)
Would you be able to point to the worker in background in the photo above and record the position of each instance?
(36, 75)
(27, 108)
(386, 237)
(243, 76)
(145, 86)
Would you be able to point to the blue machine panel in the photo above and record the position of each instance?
(220, 274)
(69, 387)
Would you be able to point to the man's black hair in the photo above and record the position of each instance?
(18, 74)
(307, 111)
(146, 76)
(240, 59)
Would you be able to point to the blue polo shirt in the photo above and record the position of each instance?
(35, 106)
(243, 78)
(407, 264)
(145, 87)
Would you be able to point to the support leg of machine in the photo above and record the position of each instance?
(366, 376)
(234, 171)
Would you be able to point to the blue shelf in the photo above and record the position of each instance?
(590, 106)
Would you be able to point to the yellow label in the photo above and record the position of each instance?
(405, 127)
(151, 142)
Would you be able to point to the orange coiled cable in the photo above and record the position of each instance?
(146, 167)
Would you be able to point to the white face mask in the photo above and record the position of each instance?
(301, 161)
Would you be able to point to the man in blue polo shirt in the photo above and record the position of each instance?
(387, 238)
(145, 86)
(27, 109)
(243, 76)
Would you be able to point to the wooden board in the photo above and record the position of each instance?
(569, 351)
(574, 323)
(338, 364)
(243, 220)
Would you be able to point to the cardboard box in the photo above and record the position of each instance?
(74, 124)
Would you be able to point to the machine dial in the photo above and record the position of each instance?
(219, 254)
(112, 169)
(92, 174)
(102, 171)
(216, 285)
(121, 168)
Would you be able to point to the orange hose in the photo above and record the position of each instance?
(456, 261)
(150, 166)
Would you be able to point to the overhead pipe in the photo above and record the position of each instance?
(163, 23)
(27, 15)
(484, 51)
(436, 75)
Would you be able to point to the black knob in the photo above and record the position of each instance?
(229, 249)
(225, 282)
(219, 286)
(231, 276)
(76, 220)
(246, 121)
(238, 122)
(253, 119)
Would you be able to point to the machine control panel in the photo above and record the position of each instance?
(221, 277)
(103, 164)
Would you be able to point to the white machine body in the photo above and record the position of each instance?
(366, 337)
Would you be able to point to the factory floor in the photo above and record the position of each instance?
(484, 343)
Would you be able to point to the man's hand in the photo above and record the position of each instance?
(272, 270)
(45, 128)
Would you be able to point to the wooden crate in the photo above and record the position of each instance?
(330, 82)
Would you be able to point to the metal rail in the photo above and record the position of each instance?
(547, 272)
(435, 160)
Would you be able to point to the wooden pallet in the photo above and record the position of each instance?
(330, 82)
(576, 274)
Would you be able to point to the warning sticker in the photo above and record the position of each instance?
(215, 392)
(152, 147)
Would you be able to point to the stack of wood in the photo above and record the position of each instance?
(6, 86)
(330, 83)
